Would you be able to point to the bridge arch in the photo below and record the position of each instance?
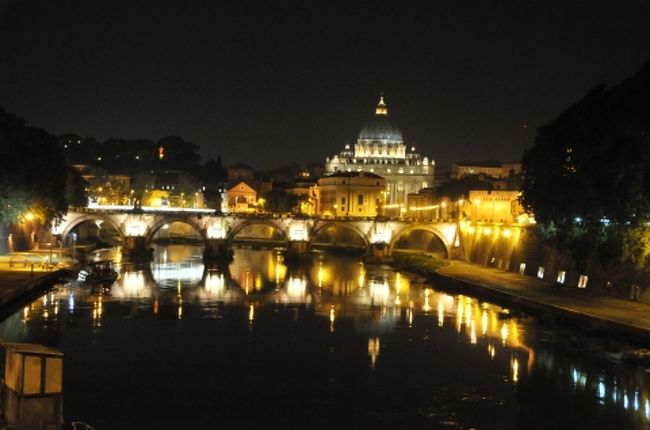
(159, 223)
(91, 217)
(437, 234)
(313, 234)
(256, 221)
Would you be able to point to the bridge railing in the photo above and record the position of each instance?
(258, 215)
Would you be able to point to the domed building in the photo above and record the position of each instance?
(380, 149)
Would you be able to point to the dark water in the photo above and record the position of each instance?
(333, 345)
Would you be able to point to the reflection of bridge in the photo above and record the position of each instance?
(137, 228)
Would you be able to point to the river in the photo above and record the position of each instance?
(331, 344)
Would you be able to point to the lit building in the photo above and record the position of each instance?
(358, 194)
(494, 169)
(242, 198)
(380, 149)
(494, 206)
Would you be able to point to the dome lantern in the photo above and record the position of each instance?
(381, 109)
(380, 130)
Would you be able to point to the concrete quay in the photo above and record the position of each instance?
(607, 315)
(20, 286)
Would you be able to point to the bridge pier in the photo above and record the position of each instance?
(297, 249)
(135, 249)
(379, 253)
(217, 250)
(380, 249)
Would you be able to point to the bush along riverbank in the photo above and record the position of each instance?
(421, 264)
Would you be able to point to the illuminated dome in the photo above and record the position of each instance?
(380, 129)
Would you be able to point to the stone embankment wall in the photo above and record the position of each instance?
(517, 248)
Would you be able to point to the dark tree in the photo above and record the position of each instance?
(179, 154)
(281, 201)
(587, 179)
(34, 174)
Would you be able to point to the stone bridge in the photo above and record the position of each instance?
(138, 227)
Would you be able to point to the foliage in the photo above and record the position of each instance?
(281, 201)
(587, 178)
(424, 265)
(185, 189)
(141, 182)
(34, 175)
(129, 154)
(107, 188)
(179, 153)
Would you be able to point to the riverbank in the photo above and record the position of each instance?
(19, 287)
(595, 314)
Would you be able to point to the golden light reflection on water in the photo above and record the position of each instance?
(390, 298)
(426, 307)
(98, 310)
(132, 284)
(515, 370)
(297, 289)
(362, 275)
(251, 313)
(215, 284)
(373, 350)
(179, 297)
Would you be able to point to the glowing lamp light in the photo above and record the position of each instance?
(380, 237)
(216, 232)
(135, 229)
(298, 233)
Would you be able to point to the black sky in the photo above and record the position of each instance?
(276, 82)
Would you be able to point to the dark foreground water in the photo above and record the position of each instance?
(333, 345)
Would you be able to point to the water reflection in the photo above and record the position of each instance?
(384, 314)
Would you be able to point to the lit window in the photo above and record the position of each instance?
(582, 281)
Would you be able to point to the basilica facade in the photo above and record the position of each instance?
(381, 150)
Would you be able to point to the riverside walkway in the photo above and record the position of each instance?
(23, 274)
(611, 314)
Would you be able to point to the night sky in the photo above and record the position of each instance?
(276, 82)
